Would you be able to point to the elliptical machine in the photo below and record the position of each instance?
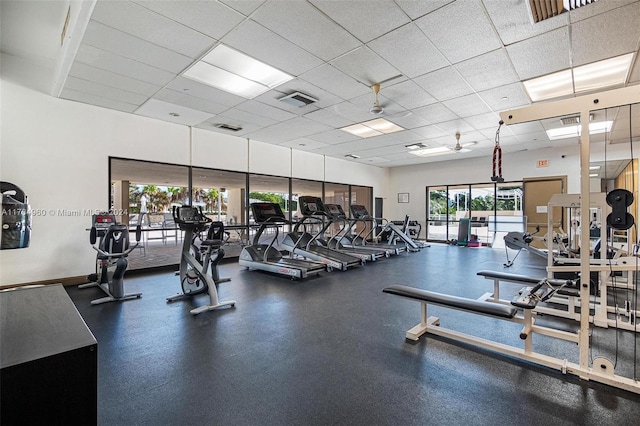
(194, 268)
(111, 261)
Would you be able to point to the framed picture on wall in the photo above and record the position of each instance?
(403, 197)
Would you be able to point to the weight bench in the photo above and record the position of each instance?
(495, 310)
(570, 291)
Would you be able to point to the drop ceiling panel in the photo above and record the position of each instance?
(407, 119)
(366, 66)
(597, 8)
(483, 121)
(117, 64)
(304, 25)
(333, 137)
(165, 111)
(248, 117)
(355, 113)
(257, 107)
(445, 25)
(416, 9)
(260, 43)
(513, 21)
(289, 130)
(99, 101)
(207, 17)
(114, 41)
(186, 100)
(486, 71)
(304, 144)
(148, 25)
(193, 88)
(108, 78)
(429, 132)
(329, 117)
(100, 90)
(542, 54)
(383, 16)
(444, 84)
(450, 128)
(467, 106)
(335, 81)
(246, 7)
(409, 50)
(613, 40)
(514, 94)
(436, 113)
(408, 94)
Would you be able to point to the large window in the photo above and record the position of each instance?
(487, 206)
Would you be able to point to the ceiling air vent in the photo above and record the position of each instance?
(545, 9)
(575, 119)
(227, 127)
(298, 99)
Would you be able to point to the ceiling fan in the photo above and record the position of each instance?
(460, 148)
(376, 109)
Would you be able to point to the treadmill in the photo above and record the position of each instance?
(360, 212)
(304, 244)
(342, 243)
(266, 257)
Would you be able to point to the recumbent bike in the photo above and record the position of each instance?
(111, 261)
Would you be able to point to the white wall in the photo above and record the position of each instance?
(57, 152)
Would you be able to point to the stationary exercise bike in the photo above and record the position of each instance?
(111, 262)
(195, 262)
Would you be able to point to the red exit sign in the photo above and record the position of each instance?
(543, 163)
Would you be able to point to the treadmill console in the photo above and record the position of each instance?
(359, 211)
(267, 212)
(311, 206)
(335, 210)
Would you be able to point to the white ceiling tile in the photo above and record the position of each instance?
(304, 144)
(289, 130)
(486, 71)
(355, 113)
(514, 23)
(371, 160)
(407, 119)
(451, 128)
(246, 7)
(542, 54)
(514, 94)
(117, 64)
(189, 101)
(445, 26)
(193, 88)
(207, 17)
(335, 81)
(523, 128)
(435, 113)
(380, 18)
(257, 107)
(329, 117)
(484, 121)
(606, 35)
(164, 111)
(466, 106)
(366, 66)
(244, 117)
(409, 50)
(407, 94)
(333, 137)
(123, 44)
(100, 90)
(416, 9)
(304, 25)
(108, 78)
(260, 43)
(598, 7)
(148, 25)
(100, 101)
(429, 132)
(444, 84)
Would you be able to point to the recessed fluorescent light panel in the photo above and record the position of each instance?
(574, 131)
(371, 128)
(430, 152)
(597, 75)
(234, 72)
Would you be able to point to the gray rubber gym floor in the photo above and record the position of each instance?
(331, 350)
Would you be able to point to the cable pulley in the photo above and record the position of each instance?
(497, 157)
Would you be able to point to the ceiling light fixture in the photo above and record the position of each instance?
(574, 131)
(431, 152)
(597, 75)
(371, 128)
(234, 72)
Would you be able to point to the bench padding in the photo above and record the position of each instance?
(456, 302)
(519, 278)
